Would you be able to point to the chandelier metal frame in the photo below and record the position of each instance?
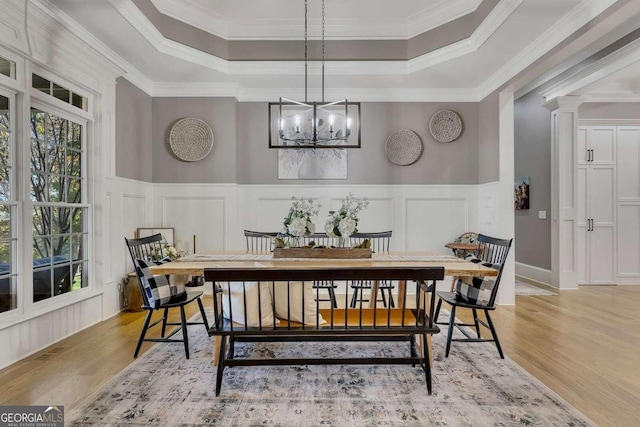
(311, 137)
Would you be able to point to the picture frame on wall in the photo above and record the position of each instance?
(522, 192)
(167, 233)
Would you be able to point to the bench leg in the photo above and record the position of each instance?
(421, 350)
(223, 341)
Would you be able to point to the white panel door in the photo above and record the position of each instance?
(628, 240)
(582, 245)
(582, 146)
(601, 190)
(628, 164)
(601, 256)
(602, 141)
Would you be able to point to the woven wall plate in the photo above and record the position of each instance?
(190, 139)
(445, 126)
(403, 147)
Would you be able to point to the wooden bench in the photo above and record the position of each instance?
(411, 322)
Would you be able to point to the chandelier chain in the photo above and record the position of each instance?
(305, 50)
(322, 50)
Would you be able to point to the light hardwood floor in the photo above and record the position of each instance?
(584, 345)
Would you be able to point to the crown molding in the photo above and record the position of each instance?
(571, 22)
(564, 102)
(610, 97)
(217, 24)
(439, 14)
(490, 25)
(245, 94)
(598, 44)
(202, 18)
(140, 80)
(141, 23)
(600, 69)
(111, 61)
(197, 89)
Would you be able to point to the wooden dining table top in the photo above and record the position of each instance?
(196, 264)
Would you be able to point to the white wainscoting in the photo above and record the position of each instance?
(25, 338)
(434, 214)
(422, 217)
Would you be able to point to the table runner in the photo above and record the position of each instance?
(269, 257)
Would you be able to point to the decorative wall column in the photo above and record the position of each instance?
(506, 224)
(564, 195)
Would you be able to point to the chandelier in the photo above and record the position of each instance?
(314, 124)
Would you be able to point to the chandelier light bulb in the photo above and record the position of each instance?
(296, 120)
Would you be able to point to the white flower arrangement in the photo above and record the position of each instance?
(298, 222)
(344, 222)
(168, 251)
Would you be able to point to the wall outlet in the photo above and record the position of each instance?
(542, 214)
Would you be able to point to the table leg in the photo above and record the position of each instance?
(402, 293)
(375, 286)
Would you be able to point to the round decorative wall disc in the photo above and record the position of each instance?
(191, 139)
(445, 126)
(403, 147)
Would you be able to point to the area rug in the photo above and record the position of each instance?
(525, 289)
(473, 387)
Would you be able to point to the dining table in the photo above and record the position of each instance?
(194, 265)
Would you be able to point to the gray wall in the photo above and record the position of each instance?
(220, 165)
(241, 155)
(532, 133)
(133, 132)
(440, 163)
(489, 139)
(609, 110)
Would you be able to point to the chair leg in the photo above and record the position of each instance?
(332, 297)
(452, 320)
(392, 303)
(475, 320)
(354, 298)
(183, 320)
(494, 333)
(164, 322)
(143, 333)
(384, 299)
(427, 364)
(437, 313)
(202, 313)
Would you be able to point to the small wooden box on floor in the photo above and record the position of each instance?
(322, 253)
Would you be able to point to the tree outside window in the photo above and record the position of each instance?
(59, 230)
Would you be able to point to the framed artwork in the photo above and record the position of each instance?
(167, 233)
(521, 192)
(326, 163)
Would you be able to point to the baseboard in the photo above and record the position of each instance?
(534, 275)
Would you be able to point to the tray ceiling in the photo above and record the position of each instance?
(162, 60)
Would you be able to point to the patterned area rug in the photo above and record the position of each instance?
(525, 289)
(473, 387)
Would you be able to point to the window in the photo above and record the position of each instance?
(7, 68)
(60, 235)
(8, 235)
(63, 94)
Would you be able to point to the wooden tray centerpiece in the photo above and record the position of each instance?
(322, 252)
(362, 250)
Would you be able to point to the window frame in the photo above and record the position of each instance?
(65, 111)
(14, 202)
